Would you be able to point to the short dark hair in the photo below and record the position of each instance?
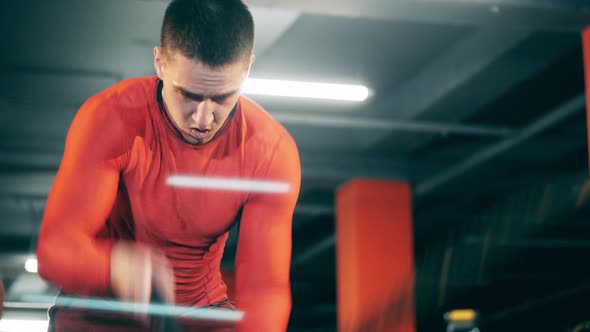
(216, 32)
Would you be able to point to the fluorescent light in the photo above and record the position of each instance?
(305, 89)
(229, 184)
(31, 265)
(19, 325)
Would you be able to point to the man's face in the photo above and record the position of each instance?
(199, 98)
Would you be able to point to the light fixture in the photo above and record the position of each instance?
(31, 265)
(313, 90)
(19, 325)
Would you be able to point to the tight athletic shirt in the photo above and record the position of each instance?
(111, 185)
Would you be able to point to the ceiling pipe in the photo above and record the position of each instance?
(350, 122)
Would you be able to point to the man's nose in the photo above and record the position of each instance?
(203, 116)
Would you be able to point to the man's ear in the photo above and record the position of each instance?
(252, 58)
(159, 62)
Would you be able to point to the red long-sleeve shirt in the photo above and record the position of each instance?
(120, 150)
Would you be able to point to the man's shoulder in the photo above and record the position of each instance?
(126, 100)
(260, 123)
(131, 92)
(269, 145)
(265, 134)
(119, 111)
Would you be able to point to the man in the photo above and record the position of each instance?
(113, 226)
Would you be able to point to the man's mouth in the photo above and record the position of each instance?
(198, 133)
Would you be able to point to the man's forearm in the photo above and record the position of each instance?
(266, 309)
(76, 266)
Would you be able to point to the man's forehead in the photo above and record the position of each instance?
(194, 73)
(198, 78)
(180, 60)
(207, 90)
(172, 55)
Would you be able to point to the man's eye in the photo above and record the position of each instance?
(189, 96)
(220, 100)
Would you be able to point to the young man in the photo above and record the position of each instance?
(114, 227)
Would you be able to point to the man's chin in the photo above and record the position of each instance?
(195, 141)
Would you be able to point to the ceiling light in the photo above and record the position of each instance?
(257, 86)
(31, 265)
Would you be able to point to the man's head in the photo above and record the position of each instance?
(204, 56)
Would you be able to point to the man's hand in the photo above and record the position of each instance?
(137, 270)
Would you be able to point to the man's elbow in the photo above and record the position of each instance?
(265, 309)
(45, 252)
(53, 248)
(279, 294)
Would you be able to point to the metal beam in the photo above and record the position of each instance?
(544, 122)
(54, 85)
(27, 185)
(543, 4)
(37, 71)
(451, 70)
(387, 124)
(557, 15)
(313, 209)
(530, 243)
(20, 216)
(29, 159)
(314, 250)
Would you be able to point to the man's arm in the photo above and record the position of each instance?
(81, 197)
(263, 255)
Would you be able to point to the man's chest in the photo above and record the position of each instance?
(171, 192)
